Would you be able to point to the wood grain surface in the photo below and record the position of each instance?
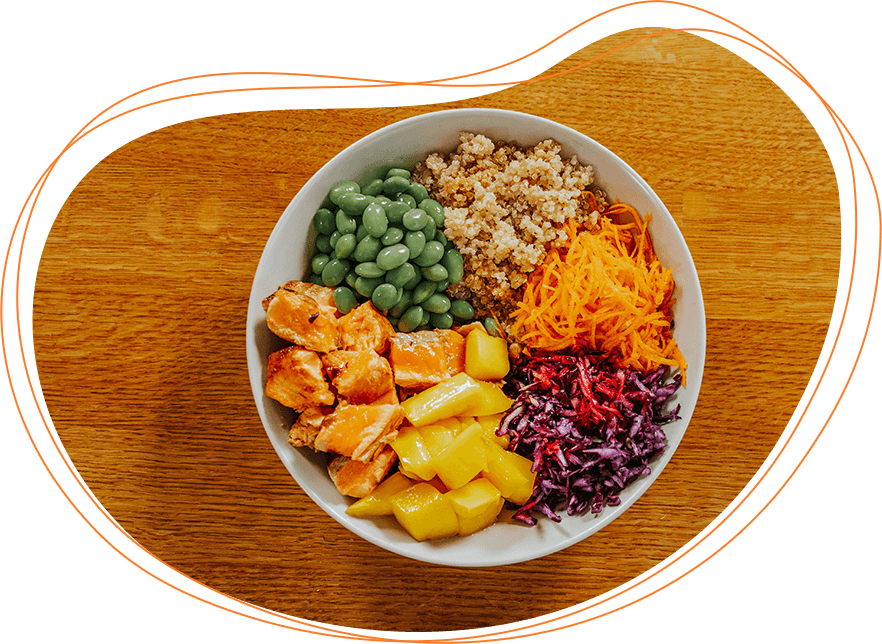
(139, 325)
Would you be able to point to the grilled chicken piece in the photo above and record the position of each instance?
(365, 328)
(360, 377)
(359, 431)
(307, 426)
(354, 478)
(300, 313)
(425, 358)
(294, 377)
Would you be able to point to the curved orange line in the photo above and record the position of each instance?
(787, 65)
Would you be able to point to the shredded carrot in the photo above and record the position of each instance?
(606, 287)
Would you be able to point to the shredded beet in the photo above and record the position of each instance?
(590, 427)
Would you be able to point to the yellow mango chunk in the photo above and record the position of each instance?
(493, 401)
(453, 424)
(424, 512)
(490, 425)
(377, 504)
(486, 356)
(436, 437)
(463, 459)
(509, 472)
(477, 504)
(414, 458)
(449, 398)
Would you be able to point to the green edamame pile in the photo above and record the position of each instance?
(384, 242)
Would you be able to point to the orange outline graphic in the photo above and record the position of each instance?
(352, 83)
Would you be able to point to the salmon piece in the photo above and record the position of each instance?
(388, 398)
(468, 328)
(354, 478)
(418, 359)
(303, 319)
(360, 377)
(365, 328)
(323, 295)
(359, 431)
(294, 377)
(307, 426)
(454, 350)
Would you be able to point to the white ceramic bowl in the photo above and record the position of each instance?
(404, 144)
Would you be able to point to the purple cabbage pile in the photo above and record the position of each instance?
(590, 427)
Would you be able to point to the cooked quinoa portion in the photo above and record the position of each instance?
(504, 207)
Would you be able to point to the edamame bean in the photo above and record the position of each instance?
(435, 272)
(360, 232)
(345, 223)
(375, 220)
(414, 281)
(342, 188)
(323, 244)
(424, 323)
(432, 254)
(351, 276)
(344, 298)
(400, 276)
(345, 246)
(319, 261)
(441, 320)
(462, 310)
(385, 296)
(315, 279)
(334, 272)
(373, 188)
(395, 185)
(437, 303)
(408, 199)
(398, 172)
(332, 240)
(434, 209)
(417, 191)
(415, 219)
(369, 269)
(430, 230)
(403, 304)
(366, 285)
(452, 261)
(395, 211)
(367, 249)
(411, 319)
(383, 200)
(415, 241)
(492, 327)
(441, 285)
(423, 291)
(354, 203)
(323, 220)
(392, 236)
(441, 238)
(392, 256)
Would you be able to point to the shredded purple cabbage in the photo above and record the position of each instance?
(590, 428)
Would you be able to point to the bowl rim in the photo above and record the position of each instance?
(426, 551)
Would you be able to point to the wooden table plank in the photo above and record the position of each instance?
(139, 324)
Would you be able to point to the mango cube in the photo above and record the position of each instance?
(477, 504)
(377, 504)
(486, 356)
(493, 401)
(463, 459)
(509, 472)
(436, 437)
(490, 425)
(414, 458)
(425, 513)
(449, 398)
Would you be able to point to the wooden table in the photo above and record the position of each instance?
(139, 327)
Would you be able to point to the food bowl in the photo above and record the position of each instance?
(404, 144)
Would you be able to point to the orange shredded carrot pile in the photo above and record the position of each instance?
(607, 288)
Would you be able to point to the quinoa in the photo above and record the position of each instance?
(504, 207)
